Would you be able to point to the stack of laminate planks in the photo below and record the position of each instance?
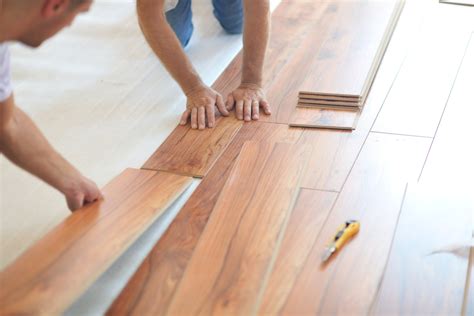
(340, 74)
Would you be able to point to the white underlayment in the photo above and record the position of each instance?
(105, 102)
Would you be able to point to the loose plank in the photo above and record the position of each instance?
(359, 40)
(419, 95)
(235, 251)
(58, 269)
(426, 271)
(307, 218)
(373, 195)
(324, 118)
(164, 266)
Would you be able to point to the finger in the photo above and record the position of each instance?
(201, 118)
(221, 106)
(239, 108)
(247, 110)
(230, 102)
(266, 107)
(194, 118)
(255, 110)
(185, 117)
(75, 202)
(211, 116)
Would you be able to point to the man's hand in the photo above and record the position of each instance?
(200, 108)
(81, 191)
(247, 100)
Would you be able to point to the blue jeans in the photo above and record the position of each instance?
(229, 13)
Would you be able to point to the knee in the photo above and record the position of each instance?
(180, 20)
(230, 15)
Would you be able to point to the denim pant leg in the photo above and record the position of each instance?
(230, 15)
(180, 20)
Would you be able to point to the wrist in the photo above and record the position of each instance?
(250, 85)
(197, 86)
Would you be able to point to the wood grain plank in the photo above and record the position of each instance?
(192, 152)
(324, 118)
(164, 266)
(328, 107)
(58, 269)
(235, 252)
(426, 271)
(423, 86)
(306, 221)
(328, 102)
(373, 195)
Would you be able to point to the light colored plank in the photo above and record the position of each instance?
(468, 306)
(426, 270)
(450, 158)
(307, 218)
(166, 263)
(373, 195)
(417, 100)
(236, 250)
(459, 2)
(56, 270)
(324, 118)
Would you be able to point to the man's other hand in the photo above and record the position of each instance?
(248, 99)
(200, 108)
(80, 192)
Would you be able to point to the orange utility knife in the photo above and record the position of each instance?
(345, 232)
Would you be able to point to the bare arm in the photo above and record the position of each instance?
(22, 143)
(249, 97)
(163, 41)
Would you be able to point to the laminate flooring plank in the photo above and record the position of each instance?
(310, 102)
(358, 39)
(450, 158)
(328, 107)
(236, 250)
(373, 194)
(324, 118)
(193, 152)
(307, 218)
(338, 150)
(312, 96)
(426, 270)
(164, 266)
(417, 100)
(56, 270)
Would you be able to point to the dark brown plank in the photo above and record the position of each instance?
(426, 271)
(56, 270)
(165, 265)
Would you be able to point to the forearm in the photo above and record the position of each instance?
(165, 44)
(23, 143)
(256, 36)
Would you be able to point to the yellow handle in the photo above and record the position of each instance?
(346, 232)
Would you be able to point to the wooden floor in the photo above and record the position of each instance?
(405, 173)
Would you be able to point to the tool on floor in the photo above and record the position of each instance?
(345, 232)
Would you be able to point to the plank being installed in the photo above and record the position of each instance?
(372, 194)
(428, 263)
(236, 250)
(164, 266)
(306, 221)
(192, 152)
(324, 118)
(56, 270)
